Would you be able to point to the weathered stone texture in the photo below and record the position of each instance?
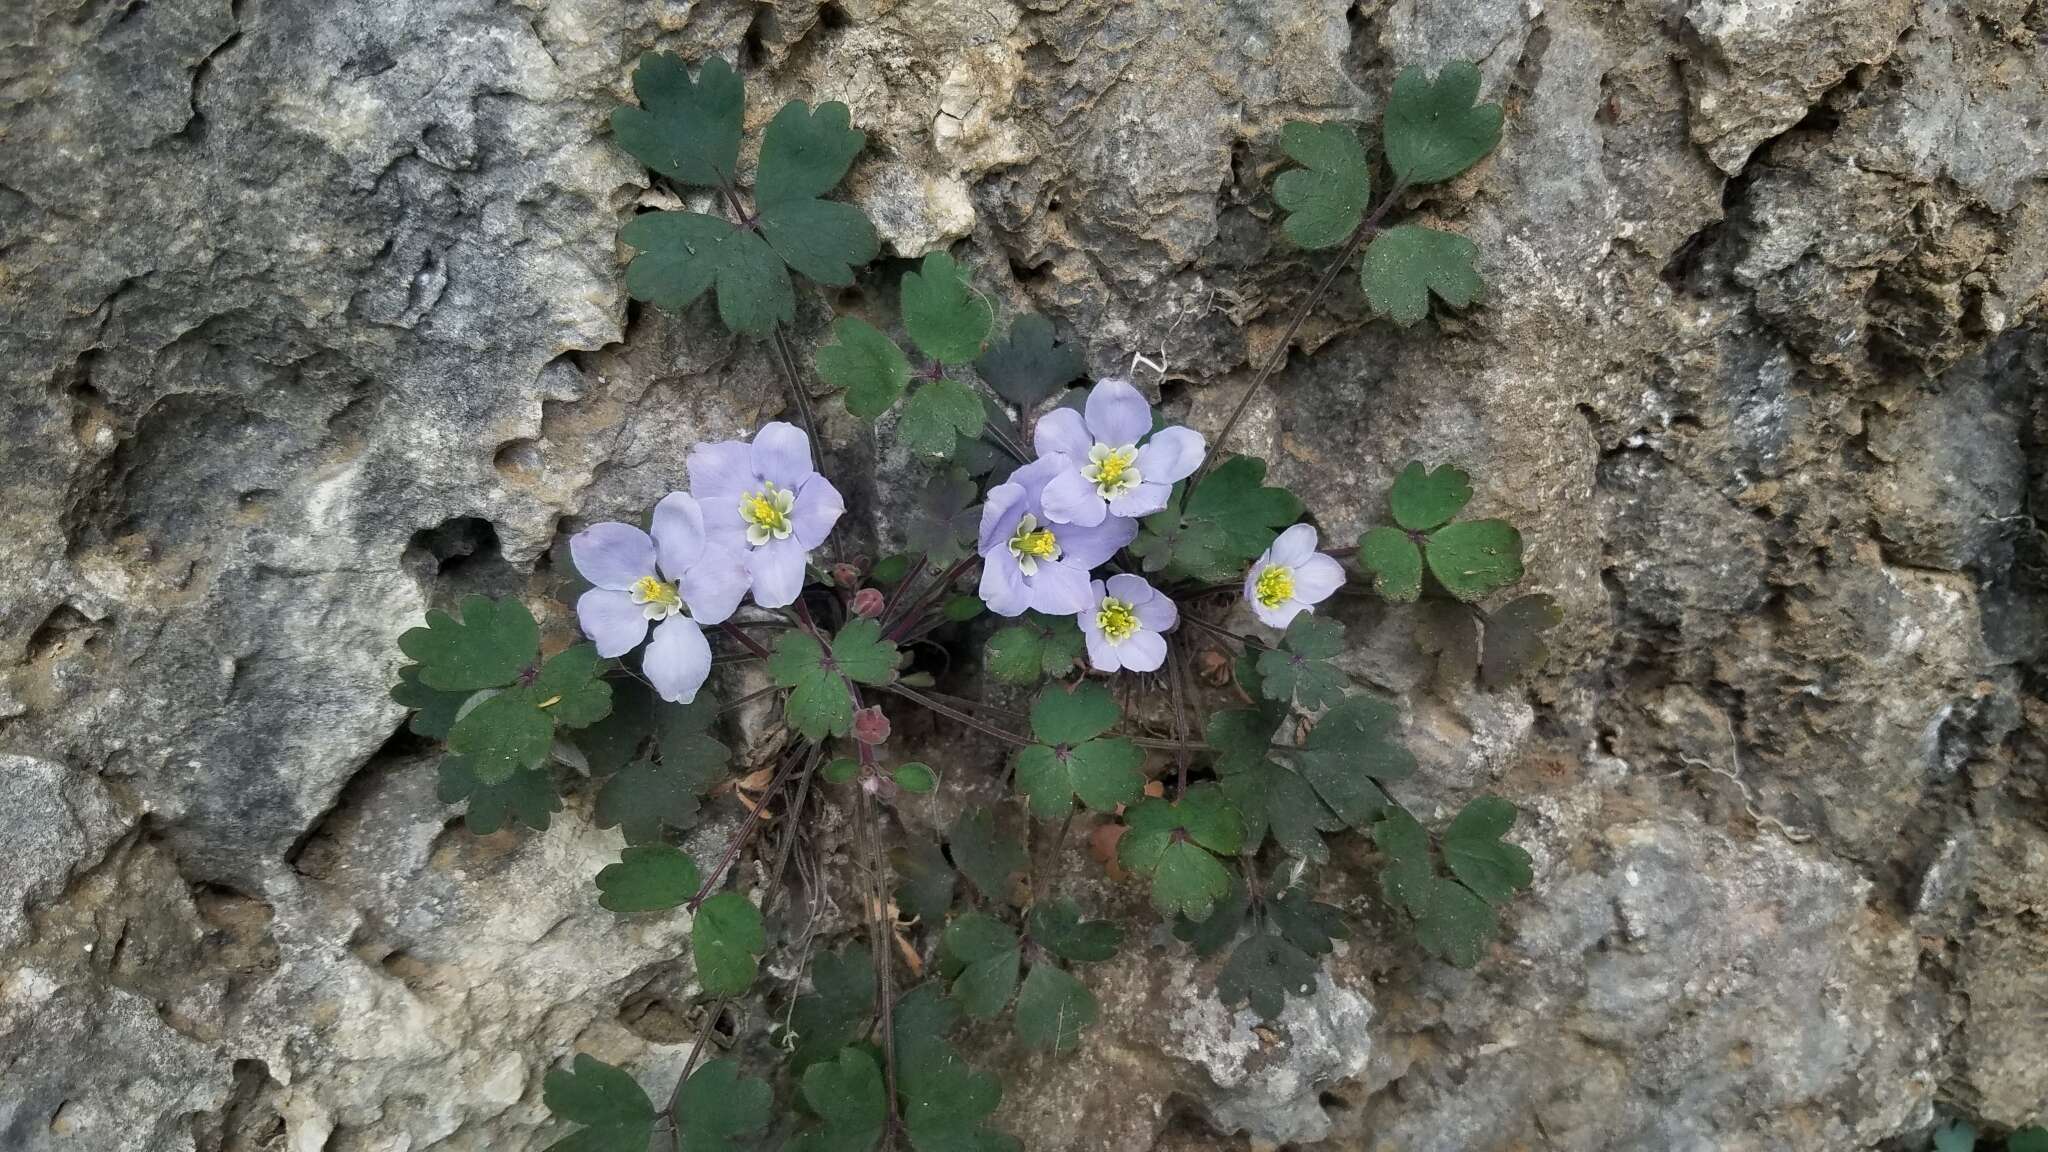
(311, 315)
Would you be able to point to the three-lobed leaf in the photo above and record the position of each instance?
(612, 1108)
(1473, 849)
(1353, 745)
(926, 878)
(818, 704)
(1053, 1008)
(847, 1095)
(985, 856)
(526, 798)
(805, 152)
(983, 954)
(1172, 844)
(1423, 498)
(1029, 364)
(686, 129)
(682, 255)
(1037, 647)
(647, 878)
(838, 1010)
(488, 646)
(1327, 196)
(1474, 557)
(1435, 129)
(502, 735)
(1405, 265)
(1300, 669)
(1469, 558)
(434, 711)
(938, 415)
(726, 939)
(866, 365)
(1071, 760)
(720, 1110)
(1270, 795)
(1056, 926)
(946, 318)
(1265, 970)
(1225, 522)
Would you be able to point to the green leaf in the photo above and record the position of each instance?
(1455, 925)
(1269, 795)
(1425, 498)
(848, 1097)
(687, 131)
(615, 1113)
(1957, 1136)
(946, 319)
(1053, 1008)
(1265, 970)
(1028, 364)
(937, 414)
(1449, 630)
(945, 1102)
(944, 519)
(868, 365)
(1476, 854)
(818, 704)
(682, 254)
(805, 153)
(987, 858)
(914, 777)
(492, 643)
(1514, 640)
(1213, 935)
(1405, 264)
(719, 1109)
(1300, 669)
(1063, 715)
(983, 954)
(1327, 196)
(526, 798)
(615, 741)
(502, 735)
(961, 609)
(1434, 130)
(862, 655)
(1307, 923)
(841, 770)
(928, 879)
(1228, 520)
(647, 878)
(1172, 843)
(1058, 928)
(1040, 646)
(1474, 557)
(840, 1008)
(646, 797)
(568, 688)
(1353, 745)
(1407, 877)
(820, 239)
(2029, 1139)
(1395, 563)
(725, 939)
(434, 711)
(1103, 773)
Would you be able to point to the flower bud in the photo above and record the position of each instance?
(870, 726)
(869, 602)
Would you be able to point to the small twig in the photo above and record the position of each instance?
(910, 576)
(951, 713)
(1227, 634)
(923, 599)
(1180, 722)
(748, 642)
(749, 698)
(746, 833)
(1366, 228)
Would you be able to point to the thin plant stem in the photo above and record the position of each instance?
(1180, 722)
(987, 729)
(909, 578)
(1365, 229)
(745, 641)
(923, 599)
(749, 698)
(746, 833)
(1227, 634)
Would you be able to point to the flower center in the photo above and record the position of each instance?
(1275, 586)
(1114, 471)
(1031, 544)
(658, 599)
(1117, 618)
(767, 513)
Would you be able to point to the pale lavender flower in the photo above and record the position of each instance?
(644, 580)
(1116, 464)
(1030, 563)
(765, 501)
(1290, 577)
(1125, 624)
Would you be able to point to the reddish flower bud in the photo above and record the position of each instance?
(845, 575)
(870, 726)
(869, 602)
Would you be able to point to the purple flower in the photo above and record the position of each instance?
(1124, 625)
(1030, 563)
(644, 580)
(1290, 577)
(765, 501)
(1117, 466)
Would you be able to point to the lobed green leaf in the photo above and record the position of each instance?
(614, 1111)
(725, 939)
(866, 365)
(1327, 196)
(687, 130)
(1407, 264)
(1053, 1008)
(487, 647)
(647, 878)
(946, 318)
(1436, 129)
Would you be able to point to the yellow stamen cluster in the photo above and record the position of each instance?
(767, 513)
(1274, 587)
(1113, 471)
(1117, 619)
(1030, 544)
(658, 599)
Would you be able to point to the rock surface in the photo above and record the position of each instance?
(311, 315)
